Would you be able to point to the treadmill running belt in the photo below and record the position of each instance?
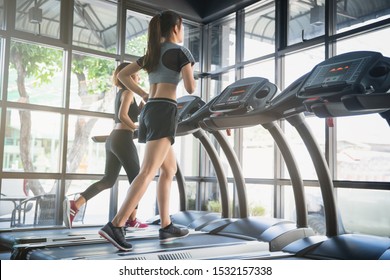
(195, 246)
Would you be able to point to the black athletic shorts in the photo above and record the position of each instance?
(158, 119)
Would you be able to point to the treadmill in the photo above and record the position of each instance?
(349, 84)
(204, 241)
(346, 85)
(241, 105)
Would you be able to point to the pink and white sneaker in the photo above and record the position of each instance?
(135, 224)
(70, 211)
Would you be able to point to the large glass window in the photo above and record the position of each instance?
(39, 17)
(223, 44)
(260, 200)
(191, 191)
(294, 66)
(363, 154)
(187, 154)
(136, 33)
(192, 40)
(365, 211)
(301, 154)
(359, 156)
(229, 138)
(263, 69)
(259, 31)
(306, 20)
(219, 83)
(29, 146)
(91, 83)
(257, 142)
(95, 25)
(258, 147)
(365, 42)
(35, 75)
(84, 155)
(356, 13)
(211, 198)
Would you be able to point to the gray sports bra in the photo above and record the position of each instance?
(173, 58)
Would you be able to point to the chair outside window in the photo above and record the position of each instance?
(40, 211)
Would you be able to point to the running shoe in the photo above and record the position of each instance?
(172, 232)
(135, 224)
(115, 235)
(70, 212)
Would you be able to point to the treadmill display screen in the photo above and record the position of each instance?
(234, 97)
(237, 93)
(347, 71)
(335, 73)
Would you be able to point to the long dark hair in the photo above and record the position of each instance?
(160, 27)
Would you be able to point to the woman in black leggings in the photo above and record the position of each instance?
(120, 151)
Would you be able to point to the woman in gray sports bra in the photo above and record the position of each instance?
(166, 63)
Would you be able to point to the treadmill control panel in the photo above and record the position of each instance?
(244, 95)
(351, 73)
(188, 105)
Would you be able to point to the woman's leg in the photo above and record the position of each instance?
(155, 154)
(167, 171)
(80, 201)
(133, 215)
(126, 151)
(112, 169)
(168, 231)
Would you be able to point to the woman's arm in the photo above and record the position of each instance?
(125, 77)
(126, 100)
(187, 73)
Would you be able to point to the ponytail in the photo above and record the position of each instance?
(153, 51)
(160, 26)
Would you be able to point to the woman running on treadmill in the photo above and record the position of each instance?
(166, 63)
(120, 151)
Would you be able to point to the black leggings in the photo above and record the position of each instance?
(120, 151)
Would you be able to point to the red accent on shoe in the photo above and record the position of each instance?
(135, 224)
(73, 211)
